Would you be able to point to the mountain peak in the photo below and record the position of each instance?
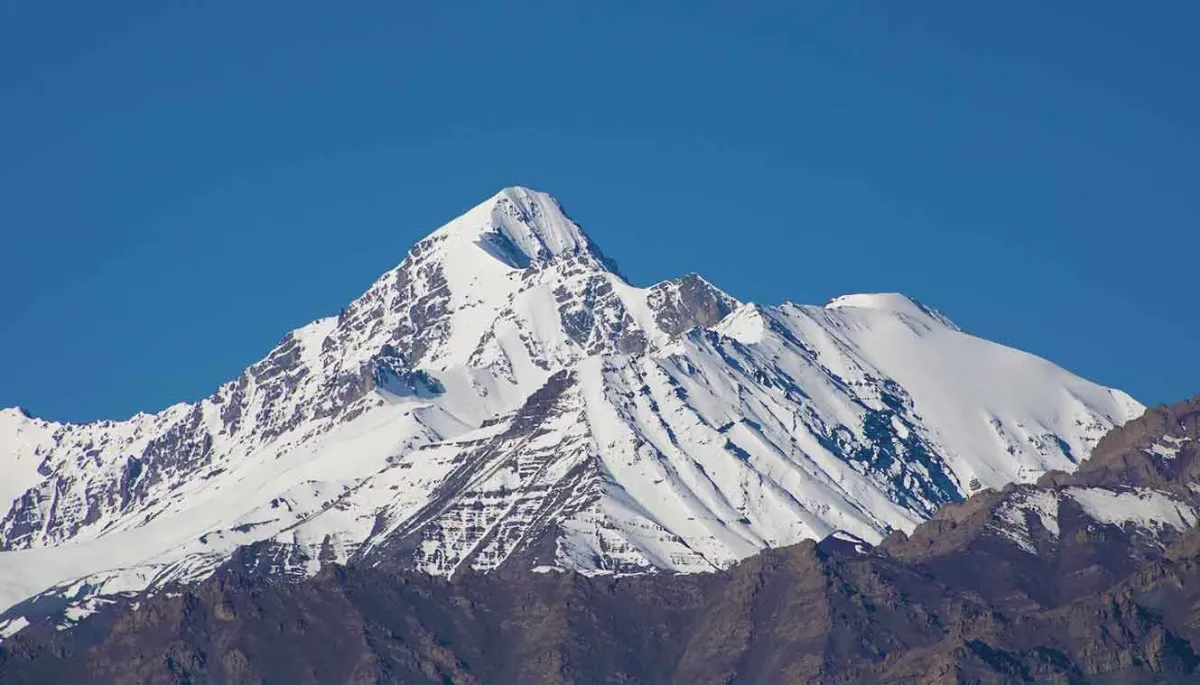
(522, 227)
(894, 303)
(502, 398)
(21, 412)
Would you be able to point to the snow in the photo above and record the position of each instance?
(1167, 451)
(967, 389)
(310, 338)
(858, 543)
(535, 223)
(13, 626)
(530, 221)
(1147, 511)
(1013, 516)
(896, 304)
(746, 324)
(1141, 508)
(24, 439)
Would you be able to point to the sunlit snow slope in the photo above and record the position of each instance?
(503, 396)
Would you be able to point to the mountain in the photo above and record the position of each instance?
(505, 399)
(1085, 577)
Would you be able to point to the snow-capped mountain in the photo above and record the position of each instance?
(504, 396)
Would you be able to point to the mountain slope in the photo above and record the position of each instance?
(504, 398)
(1071, 593)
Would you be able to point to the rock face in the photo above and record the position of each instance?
(1077, 579)
(503, 399)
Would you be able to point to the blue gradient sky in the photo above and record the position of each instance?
(181, 186)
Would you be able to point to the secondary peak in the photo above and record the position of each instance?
(894, 303)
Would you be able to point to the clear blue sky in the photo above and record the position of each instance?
(180, 186)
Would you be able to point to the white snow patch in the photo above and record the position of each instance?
(1168, 448)
(12, 626)
(1147, 509)
(1013, 516)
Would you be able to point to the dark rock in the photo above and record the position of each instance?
(688, 302)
